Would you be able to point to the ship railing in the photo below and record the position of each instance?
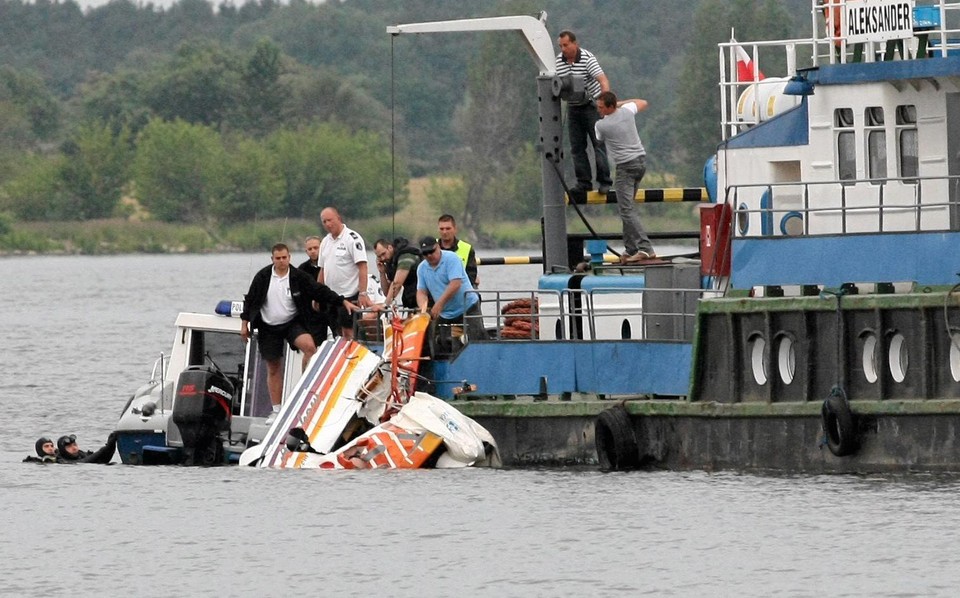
(159, 368)
(936, 33)
(776, 59)
(791, 207)
(937, 29)
(935, 26)
(610, 313)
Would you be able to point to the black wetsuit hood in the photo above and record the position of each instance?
(39, 446)
(62, 453)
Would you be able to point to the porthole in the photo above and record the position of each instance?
(791, 225)
(743, 219)
(955, 356)
(757, 362)
(869, 358)
(787, 359)
(899, 358)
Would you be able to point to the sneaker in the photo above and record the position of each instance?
(603, 189)
(273, 415)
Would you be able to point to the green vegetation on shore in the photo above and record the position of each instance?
(418, 217)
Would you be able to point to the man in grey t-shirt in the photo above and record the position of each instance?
(618, 131)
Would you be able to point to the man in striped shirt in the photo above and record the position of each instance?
(582, 116)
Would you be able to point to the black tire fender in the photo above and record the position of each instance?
(839, 425)
(616, 440)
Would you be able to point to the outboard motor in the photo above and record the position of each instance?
(202, 412)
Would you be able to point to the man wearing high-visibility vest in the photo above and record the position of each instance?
(447, 227)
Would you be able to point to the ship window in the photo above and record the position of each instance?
(224, 350)
(908, 161)
(876, 143)
(874, 117)
(877, 154)
(906, 115)
(844, 118)
(846, 156)
(846, 148)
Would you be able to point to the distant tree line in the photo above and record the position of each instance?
(222, 113)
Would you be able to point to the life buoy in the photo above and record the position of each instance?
(839, 425)
(617, 446)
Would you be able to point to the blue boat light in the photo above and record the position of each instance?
(229, 308)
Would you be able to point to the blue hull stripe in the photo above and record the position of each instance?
(833, 260)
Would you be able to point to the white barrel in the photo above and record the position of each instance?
(772, 100)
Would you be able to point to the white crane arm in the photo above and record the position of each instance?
(534, 32)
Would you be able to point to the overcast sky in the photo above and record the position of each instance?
(91, 3)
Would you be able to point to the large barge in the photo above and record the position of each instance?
(818, 331)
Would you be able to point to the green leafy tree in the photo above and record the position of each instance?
(200, 85)
(96, 168)
(697, 112)
(495, 122)
(37, 193)
(322, 94)
(253, 184)
(33, 100)
(179, 170)
(518, 195)
(262, 94)
(119, 99)
(325, 164)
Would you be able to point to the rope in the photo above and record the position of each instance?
(393, 166)
(577, 208)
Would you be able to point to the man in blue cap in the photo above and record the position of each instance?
(441, 275)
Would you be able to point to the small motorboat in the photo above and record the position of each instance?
(207, 403)
(206, 399)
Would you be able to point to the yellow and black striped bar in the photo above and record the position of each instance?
(510, 260)
(521, 260)
(644, 196)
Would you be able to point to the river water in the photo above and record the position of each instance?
(81, 333)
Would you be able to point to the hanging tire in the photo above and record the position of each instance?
(616, 440)
(839, 426)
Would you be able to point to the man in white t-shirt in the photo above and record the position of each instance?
(618, 131)
(343, 267)
(275, 305)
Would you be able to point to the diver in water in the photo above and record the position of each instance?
(68, 451)
(46, 452)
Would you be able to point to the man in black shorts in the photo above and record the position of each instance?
(275, 305)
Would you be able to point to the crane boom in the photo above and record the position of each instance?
(550, 145)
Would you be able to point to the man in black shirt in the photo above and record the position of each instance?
(315, 320)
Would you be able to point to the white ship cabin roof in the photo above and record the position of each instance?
(208, 322)
(855, 132)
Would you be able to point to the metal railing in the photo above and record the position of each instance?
(822, 191)
(598, 314)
